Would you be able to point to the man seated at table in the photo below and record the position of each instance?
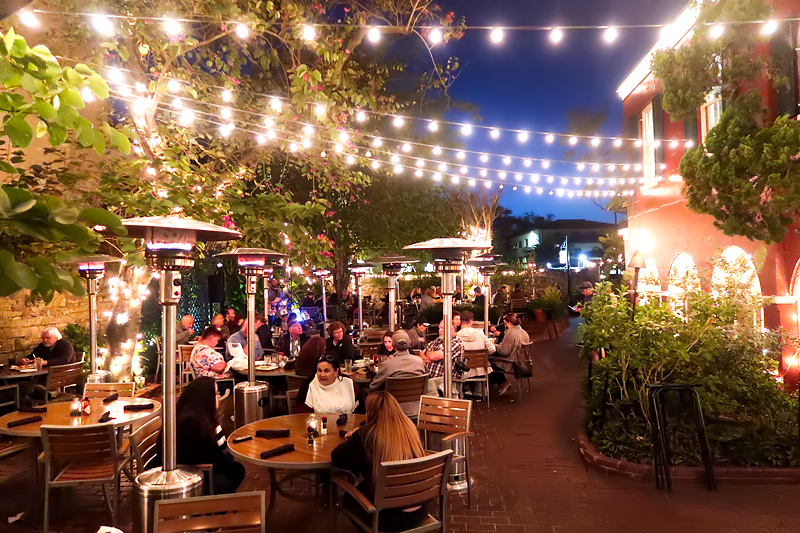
(518, 293)
(264, 332)
(416, 333)
(184, 331)
(206, 361)
(433, 356)
(473, 339)
(339, 343)
(54, 350)
(480, 298)
(501, 297)
(403, 364)
(290, 343)
(240, 338)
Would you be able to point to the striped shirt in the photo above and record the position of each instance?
(436, 368)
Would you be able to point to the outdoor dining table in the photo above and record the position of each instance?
(20, 373)
(305, 457)
(58, 414)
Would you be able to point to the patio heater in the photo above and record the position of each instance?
(636, 263)
(170, 242)
(392, 266)
(486, 264)
(92, 268)
(448, 259)
(358, 270)
(323, 274)
(249, 396)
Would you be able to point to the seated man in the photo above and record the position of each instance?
(240, 338)
(416, 334)
(473, 339)
(403, 364)
(264, 332)
(206, 361)
(184, 331)
(54, 350)
(434, 359)
(290, 343)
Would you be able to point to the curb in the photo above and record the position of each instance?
(754, 475)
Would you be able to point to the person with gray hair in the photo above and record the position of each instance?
(53, 349)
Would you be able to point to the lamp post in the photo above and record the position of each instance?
(248, 403)
(636, 263)
(323, 274)
(358, 270)
(486, 264)
(170, 243)
(92, 268)
(392, 266)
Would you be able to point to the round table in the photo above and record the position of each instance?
(58, 415)
(305, 457)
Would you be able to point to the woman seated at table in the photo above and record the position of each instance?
(387, 348)
(388, 435)
(329, 391)
(199, 436)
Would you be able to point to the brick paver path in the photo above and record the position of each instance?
(528, 474)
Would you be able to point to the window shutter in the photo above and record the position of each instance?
(658, 127)
(784, 59)
(632, 127)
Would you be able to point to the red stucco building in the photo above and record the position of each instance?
(671, 236)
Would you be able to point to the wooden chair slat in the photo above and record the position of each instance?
(240, 513)
(411, 499)
(102, 390)
(439, 410)
(411, 489)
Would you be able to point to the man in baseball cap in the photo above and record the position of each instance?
(403, 364)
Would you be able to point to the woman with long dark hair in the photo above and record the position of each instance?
(328, 391)
(388, 435)
(199, 436)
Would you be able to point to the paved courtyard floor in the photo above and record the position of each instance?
(528, 478)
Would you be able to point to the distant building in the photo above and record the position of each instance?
(674, 239)
(581, 235)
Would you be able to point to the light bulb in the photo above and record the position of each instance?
(435, 36)
(177, 103)
(595, 142)
(186, 117)
(638, 143)
(375, 164)
(673, 144)
(437, 150)
(172, 26)
(463, 170)
(433, 125)
(454, 179)
(483, 172)
(617, 142)
(361, 116)
(472, 183)
(306, 143)
(442, 167)
(769, 27)
(507, 160)
(573, 140)
(398, 121)
(406, 147)
(338, 148)
(656, 144)
(527, 162)
(269, 122)
(309, 33)
(626, 167)
(522, 136)
(610, 35)
(270, 134)
(611, 168)
(466, 129)
(420, 163)
(350, 159)
(260, 139)
(716, 31)
(581, 166)
(556, 35)
(224, 131)
(139, 106)
(495, 133)
(87, 95)
(395, 158)
(103, 25)
(377, 142)
(545, 164)
(225, 113)
(242, 31)
(274, 104)
(689, 143)
(549, 138)
(172, 86)
(227, 95)
(293, 147)
(319, 109)
(343, 136)
(595, 167)
(308, 130)
(418, 173)
(374, 35)
(502, 174)
(496, 36)
(28, 19)
(437, 177)
(518, 176)
(461, 155)
(397, 168)
(368, 154)
(115, 75)
(139, 86)
(484, 158)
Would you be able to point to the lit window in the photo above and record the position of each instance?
(648, 138)
(710, 113)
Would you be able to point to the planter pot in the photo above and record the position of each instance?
(539, 315)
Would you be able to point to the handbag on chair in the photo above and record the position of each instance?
(523, 369)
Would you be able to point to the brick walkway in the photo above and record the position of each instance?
(529, 478)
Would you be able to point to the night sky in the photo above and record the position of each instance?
(527, 82)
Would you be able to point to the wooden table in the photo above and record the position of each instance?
(304, 458)
(58, 415)
(8, 374)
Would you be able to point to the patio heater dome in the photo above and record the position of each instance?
(358, 270)
(392, 265)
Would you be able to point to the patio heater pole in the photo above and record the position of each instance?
(357, 270)
(91, 289)
(486, 265)
(488, 277)
(170, 243)
(323, 275)
(392, 301)
(448, 271)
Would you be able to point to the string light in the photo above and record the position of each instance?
(406, 147)
(172, 27)
(398, 121)
(28, 19)
(549, 138)
(523, 136)
(275, 103)
(227, 96)
(769, 27)
(573, 140)
(461, 155)
(716, 31)
(466, 129)
(87, 94)
(242, 31)
(361, 116)
(435, 36)
(103, 25)
(437, 150)
(433, 125)
(308, 130)
(527, 162)
(374, 35)
(610, 35)
(496, 35)
(186, 117)
(343, 136)
(507, 160)
(309, 33)
(556, 35)
(617, 142)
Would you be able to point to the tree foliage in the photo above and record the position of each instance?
(745, 173)
(39, 97)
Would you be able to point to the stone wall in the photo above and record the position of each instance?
(22, 321)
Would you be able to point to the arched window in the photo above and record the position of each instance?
(683, 277)
(735, 271)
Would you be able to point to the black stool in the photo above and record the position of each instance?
(660, 422)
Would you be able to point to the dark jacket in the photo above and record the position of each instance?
(264, 334)
(282, 346)
(480, 300)
(62, 353)
(343, 350)
(195, 445)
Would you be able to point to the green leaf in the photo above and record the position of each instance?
(72, 97)
(67, 116)
(19, 131)
(10, 76)
(72, 76)
(8, 39)
(57, 132)
(99, 143)
(5, 166)
(19, 273)
(119, 141)
(5, 203)
(43, 52)
(98, 85)
(96, 216)
(23, 206)
(19, 48)
(83, 69)
(45, 110)
(29, 83)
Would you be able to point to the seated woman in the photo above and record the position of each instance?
(388, 435)
(388, 346)
(199, 437)
(328, 391)
(305, 364)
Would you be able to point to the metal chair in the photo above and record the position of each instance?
(453, 419)
(478, 359)
(524, 354)
(407, 389)
(244, 512)
(59, 378)
(102, 390)
(400, 485)
(81, 456)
